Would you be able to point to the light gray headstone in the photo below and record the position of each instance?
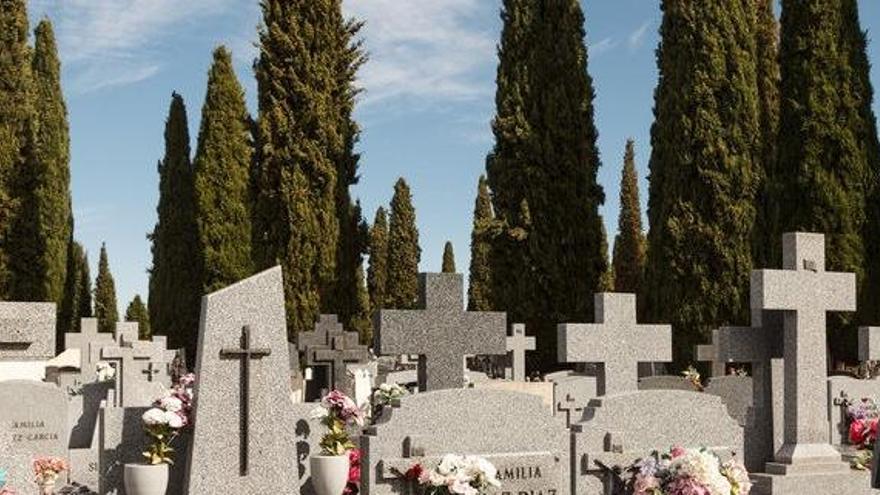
(514, 431)
(572, 393)
(442, 333)
(27, 331)
(616, 340)
(517, 345)
(134, 385)
(256, 303)
(33, 422)
(331, 346)
(666, 382)
(89, 342)
(839, 389)
(619, 429)
(735, 392)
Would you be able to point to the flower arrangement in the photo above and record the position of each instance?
(354, 473)
(104, 372)
(862, 417)
(47, 469)
(337, 412)
(687, 472)
(455, 474)
(164, 422)
(386, 394)
(693, 376)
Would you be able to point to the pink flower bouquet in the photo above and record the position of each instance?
(47, 469)
(338, 412)
(169, 415)
(687, 472)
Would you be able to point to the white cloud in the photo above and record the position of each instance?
(602, 46)
(114, 42)
(637, 37)
(429, 49)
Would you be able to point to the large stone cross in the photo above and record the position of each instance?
(616, 341)
(89, 342)
(804, 292)
(330, 345)
(708, 353)
(442, 333)
(517, 345)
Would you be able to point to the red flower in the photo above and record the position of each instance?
(857, 432)
(677, 452)
(871, 434)
(414, 472)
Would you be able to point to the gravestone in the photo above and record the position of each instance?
(442, 333)
(517, 345)
(666, 382)
(572, 392)
(331, 346)
(33, 422)
(708, 353)
(89, 342)
(242, 405)
(27, 339)
(735, 392)
(840, 389)
(516, 432)
(616, 341)
(133, 387)
(621, 428)
(803, 292)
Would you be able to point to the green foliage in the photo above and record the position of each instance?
(543, 168)
(105, 295)
(629, 246)
(175, 277)
(84, 294)
(221, 167)
(377, 272)
(448, 259)
(337, 440)
(69, 308)
(606, 278)
(160, 451)
(137, 311)
(480, 273)
(402, 287)
(704, 171)
(361, 322)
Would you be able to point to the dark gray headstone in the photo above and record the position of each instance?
(330, 346)
(735, 392)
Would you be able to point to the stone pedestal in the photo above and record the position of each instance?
(813, 478)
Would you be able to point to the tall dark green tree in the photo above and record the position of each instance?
(69, 305)
(629, 245)
(824, 172)
(15, 125)
(106, 310)
(480, 273)
(175, 278)
(404, 253)
(137, 311)
(704, 171)
(221, 167)
(84, 294)
(543, 167)
(305, 152)
(377, 271)
(448, 258)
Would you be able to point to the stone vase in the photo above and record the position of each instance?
(145, 479)
(329, 473)
(47, 487)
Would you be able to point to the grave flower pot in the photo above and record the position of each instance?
(329, 473)
(146, 479)
(47, 487)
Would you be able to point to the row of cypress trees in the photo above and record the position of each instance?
(751, 138)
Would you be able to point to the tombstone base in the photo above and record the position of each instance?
(807, 453)
(813, 479)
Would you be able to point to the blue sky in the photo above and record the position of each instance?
(425, 113)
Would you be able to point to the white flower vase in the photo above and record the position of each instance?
(146, 479)
(47, 487)
(329, 473)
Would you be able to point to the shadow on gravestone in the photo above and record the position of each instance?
(82, 433)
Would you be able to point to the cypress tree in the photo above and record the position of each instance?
(295, 221)
(221, 167)
(52, 171)
(448, 259)
(606, 279)
(15, 124)
(69, 305)
(137, 311)
(175, 279)
(543, 167)
(105, 295)
(480, 273)
(402, 286)
(361, 321)
(704, 172)
(84, 294)
(377, 272)
(629, 245)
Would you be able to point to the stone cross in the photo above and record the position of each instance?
(129, 371)
(331, 346)
(804, 292)
(89, 342)
(244, 353)
(442, 333)
(616, 341)
(517, 345)
(708, 353)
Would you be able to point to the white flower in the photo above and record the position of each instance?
(704, 468)
(173, 420)
(104, 372)
(154, 417)
(171, 403)
(461, 484)
(450, 463)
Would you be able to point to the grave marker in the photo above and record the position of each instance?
(708, 353)
(517, 345)
(330, 345)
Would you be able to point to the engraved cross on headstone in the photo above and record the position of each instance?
(330, 345)
(616, 341)
(804, 292)
(517, 345)
(442, 333)
(151, 370)
(244, 353)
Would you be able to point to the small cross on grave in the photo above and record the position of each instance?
(616, 341)
(442, 333)
(330, 345)
(151, 370)
(517, 345)
(568, 406)
(708, 353)
(244, 353)
(804, 293)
